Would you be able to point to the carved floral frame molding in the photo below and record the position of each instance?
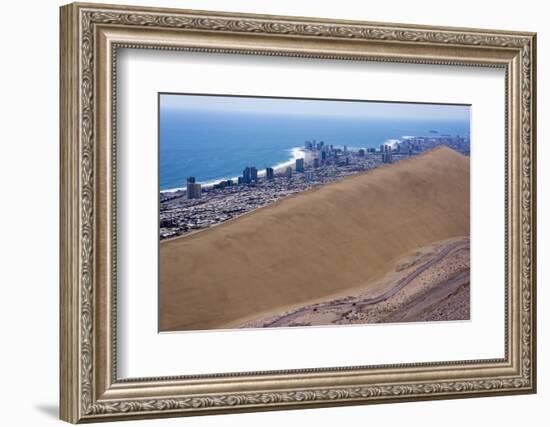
(90, 390)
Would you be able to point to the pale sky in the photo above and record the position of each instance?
(285, 106)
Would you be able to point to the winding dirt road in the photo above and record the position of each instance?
(285, 319)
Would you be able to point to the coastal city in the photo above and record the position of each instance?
(197, 206)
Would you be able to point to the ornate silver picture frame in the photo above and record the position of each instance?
(91, 37)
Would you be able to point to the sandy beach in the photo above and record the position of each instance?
(308, 247)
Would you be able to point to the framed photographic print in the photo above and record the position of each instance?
(270, 228)
(266, 212)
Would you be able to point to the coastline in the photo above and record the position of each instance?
(181, 215)
(295, 152)
(291, 196)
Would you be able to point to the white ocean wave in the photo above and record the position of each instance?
(295, 153)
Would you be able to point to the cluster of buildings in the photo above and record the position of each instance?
(321, 151)
(199, 207)
(250, 174)
(196, 208)
(418, 144)
(193, 189)
(386, 153)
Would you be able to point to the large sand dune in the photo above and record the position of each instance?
(315, 244)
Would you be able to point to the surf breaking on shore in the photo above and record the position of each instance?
(295, 153)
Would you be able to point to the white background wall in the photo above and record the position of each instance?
(29, 170)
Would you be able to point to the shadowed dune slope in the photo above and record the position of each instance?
(314, 244)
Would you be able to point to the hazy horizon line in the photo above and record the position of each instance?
(172, 109)
(311, 107)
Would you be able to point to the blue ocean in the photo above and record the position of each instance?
(218, 145)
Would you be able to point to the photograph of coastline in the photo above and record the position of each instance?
(295, 212)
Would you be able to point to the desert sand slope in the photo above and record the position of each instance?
(314, 244)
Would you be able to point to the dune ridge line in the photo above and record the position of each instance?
(313, 244)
